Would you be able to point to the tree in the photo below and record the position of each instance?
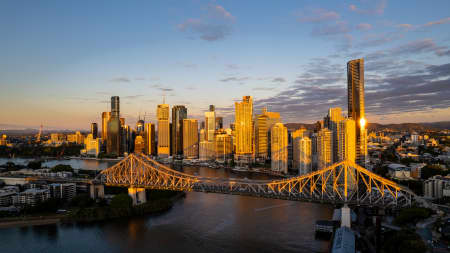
(35, 165)
(121, 201)
(404, 241)
(82, 200)
(61, 167)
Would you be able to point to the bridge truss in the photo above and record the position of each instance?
(343, 182)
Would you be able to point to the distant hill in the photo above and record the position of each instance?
(397, 127)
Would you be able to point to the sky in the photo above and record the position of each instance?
(61, 61)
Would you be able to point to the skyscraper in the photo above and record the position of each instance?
(244, 128)
(279, 148)
(223, 146)
(305, 157)
(219, 122)
(179, 113)
(324, 148)
(190, 138)
(140, 127)
(139, 144)
(348, 127)
(114, 128)
(210, 123)
(263, 124)
(333, 123)
(150, 147)
(355, 89)
(297, 135)
(105, 119)
(94, 130)
(162, 114)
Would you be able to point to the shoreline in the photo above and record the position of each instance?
(56, 219)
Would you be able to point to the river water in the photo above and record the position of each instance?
(200, 222)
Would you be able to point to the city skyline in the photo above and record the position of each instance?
(63, 80)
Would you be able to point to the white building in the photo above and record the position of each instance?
(436, 187)
(33, 196)
(399, 171)
(63, 191)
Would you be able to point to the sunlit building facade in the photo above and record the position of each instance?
(210, 124)
(263, 124)
(105, 119)
(190, 139)
(139, 144)
(91, 146)
(244, 128)
(223, 146)
(333, 123)
(279, 148)
(94, 130)
(324, 148)
(297, 135)
(356, 111)
(162, 114)
(305, 155)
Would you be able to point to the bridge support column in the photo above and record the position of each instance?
(97, 191)
(138, 195)
(346, 216)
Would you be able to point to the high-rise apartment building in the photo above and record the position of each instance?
(333, 123)
(162, 115)
(179, 113)
(305, 155)
(324, 148)
(263, 124)
(356, 111)
(91, 146)
(297, 135)
(190, 139)
(348, 135)
(94, 130)
(279, 148)
(150, 144)
(244, 128)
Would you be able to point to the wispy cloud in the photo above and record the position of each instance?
(235, 79)
(215, 25)
(278, 80)
(364, 27)
(317, 15)
(376, 8)
(121, 80)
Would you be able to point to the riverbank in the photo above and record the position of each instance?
(30, 221)
(94, 214)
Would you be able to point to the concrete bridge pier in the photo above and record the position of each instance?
(138, 195)
(97, 191)
(346, 218)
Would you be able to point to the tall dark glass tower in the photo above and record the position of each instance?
(114, 128)
(179, 113)
(94, 130)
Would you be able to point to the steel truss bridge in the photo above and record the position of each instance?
(341, 183)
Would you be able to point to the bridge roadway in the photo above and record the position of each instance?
(341, 183)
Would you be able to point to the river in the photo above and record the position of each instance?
(200, 222)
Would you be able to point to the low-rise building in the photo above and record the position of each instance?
(399, 171)
(31, 197)
(63, 191)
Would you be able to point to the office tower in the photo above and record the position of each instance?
(114, 128)
(127, 144)
(105, 119)
(297, 135)
(355, 89)
(190, 139)
(263, 124)
(150, 145)
(139, 144)
(333, 123)
(324, 148)
(94, 130)
(91, 146)
(179, 113)
(348, 136)
(305, 156)
(279, 148)
(219, 122)
(210, 123)
(140, 127)
(223, 145)
(162, 115)
(244, 128)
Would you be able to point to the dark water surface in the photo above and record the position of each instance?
(198, 223)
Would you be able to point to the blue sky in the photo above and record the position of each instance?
(61, 61)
